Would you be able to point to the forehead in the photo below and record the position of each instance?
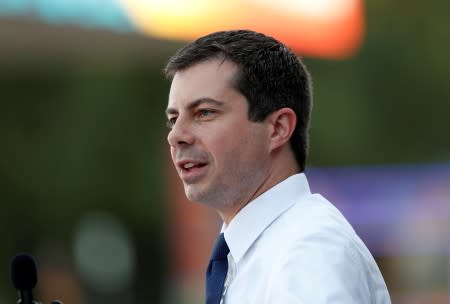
(211, 79)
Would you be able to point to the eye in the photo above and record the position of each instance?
(205, 113)
(171, 122)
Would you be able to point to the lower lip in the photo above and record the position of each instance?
(193, 175)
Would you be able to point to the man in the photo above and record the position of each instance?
(239, 109)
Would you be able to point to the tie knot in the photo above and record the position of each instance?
(221, 249)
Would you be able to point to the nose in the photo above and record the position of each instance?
(180, 134)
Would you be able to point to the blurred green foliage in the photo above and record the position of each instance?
(391, 102)
(77, 138)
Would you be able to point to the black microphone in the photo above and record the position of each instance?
(24, 277)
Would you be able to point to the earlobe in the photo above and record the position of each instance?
(283, 122)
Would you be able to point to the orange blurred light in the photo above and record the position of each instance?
(320, 28)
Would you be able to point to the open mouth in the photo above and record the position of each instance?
(191, 166)
(192, 171)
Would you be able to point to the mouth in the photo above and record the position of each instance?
(187, 166)
(191, 171)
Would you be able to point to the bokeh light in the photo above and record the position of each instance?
(104, 253)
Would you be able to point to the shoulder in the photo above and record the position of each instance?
(319, 256)
(312, 220)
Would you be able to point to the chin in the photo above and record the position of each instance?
(200, 197)
(193, 195)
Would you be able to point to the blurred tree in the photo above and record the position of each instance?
(390, 103)
(79, 138)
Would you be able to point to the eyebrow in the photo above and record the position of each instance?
(195, 104)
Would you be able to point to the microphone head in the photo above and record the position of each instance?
(23, 272)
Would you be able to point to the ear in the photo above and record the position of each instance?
(282, 124)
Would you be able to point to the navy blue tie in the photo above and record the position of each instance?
(217, 271)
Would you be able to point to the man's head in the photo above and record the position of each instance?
(269, 75)
(236, 100)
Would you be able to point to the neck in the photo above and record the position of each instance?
(282, 167)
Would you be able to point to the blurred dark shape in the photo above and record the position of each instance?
(23, 272)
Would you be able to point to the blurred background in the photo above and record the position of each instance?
(86, 183)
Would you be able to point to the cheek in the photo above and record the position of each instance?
(173, 154)
(235, 147)
(220, 146)
(234, 142)
(255, 145)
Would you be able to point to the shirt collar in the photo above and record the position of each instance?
(257, 215)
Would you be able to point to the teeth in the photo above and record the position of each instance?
(188, 165)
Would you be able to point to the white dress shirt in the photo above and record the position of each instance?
(291, 246)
